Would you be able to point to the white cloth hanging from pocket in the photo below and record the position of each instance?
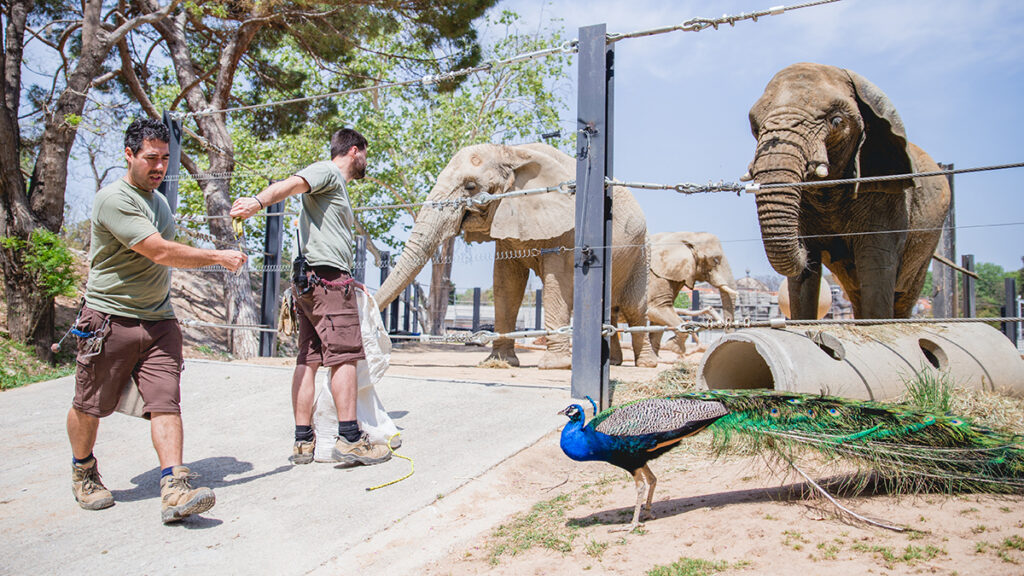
(373, 418)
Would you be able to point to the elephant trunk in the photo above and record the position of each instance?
(433, 226)
(779, 161)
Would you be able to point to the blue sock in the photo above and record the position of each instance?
(83, 460)
(349, 430)
(303, 433)
(166, 472)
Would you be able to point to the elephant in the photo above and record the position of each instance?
(817, 122)
(530, 233)
(681, 259)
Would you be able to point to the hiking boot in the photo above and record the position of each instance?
(88, 488)
(359, 452)
(179, 499)
(302, 451)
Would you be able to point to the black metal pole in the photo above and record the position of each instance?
(385, 269)
(592, 257)
(406, 306)
(969, 309)
(359, 264)
(271, 276)
(538, 310)
(476, 309)
(169, 187)
(1011, 329)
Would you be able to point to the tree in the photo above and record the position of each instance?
(412, 131)
(33, 161)
(209, 43)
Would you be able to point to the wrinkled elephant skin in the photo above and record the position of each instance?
(530, 233)
(817, 122)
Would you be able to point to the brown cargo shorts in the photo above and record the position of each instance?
(148, 352)
(329, 333)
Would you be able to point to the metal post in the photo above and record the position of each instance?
(592, 257)
(271, 276)
(169, 187)
(969, 309)
(476, 309)
(406, 304)
(385, 269)
(944, 277)
(1011, 329)
(359, 264)
(694, 299)
(415, 311)
(538, 310)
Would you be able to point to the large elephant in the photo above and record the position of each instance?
(817, 122)
(678, 260)
(530, 233)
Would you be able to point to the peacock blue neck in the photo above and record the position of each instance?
(582, 443)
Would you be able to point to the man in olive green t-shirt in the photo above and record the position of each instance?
(126, 329)
(329, 332)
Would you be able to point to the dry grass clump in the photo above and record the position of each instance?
(989, 409)
(682, 377)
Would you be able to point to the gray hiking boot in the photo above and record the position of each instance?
(302, 451)
(88, 488)
(179, 499)
(359, 452)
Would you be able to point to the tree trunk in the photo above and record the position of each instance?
(440, 286)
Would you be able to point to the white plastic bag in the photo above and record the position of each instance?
(373, 418)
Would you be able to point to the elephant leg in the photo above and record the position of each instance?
(877, 265)
(803, 292)
(556, 272)
(632, 304)
(661, 295)
(510, 278)
(615, 345)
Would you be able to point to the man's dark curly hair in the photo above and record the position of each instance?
(144, 129)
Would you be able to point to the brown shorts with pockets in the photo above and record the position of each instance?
(329, 333)
(148, 352)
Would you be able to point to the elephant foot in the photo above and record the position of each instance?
(551, 361)
(507, 357)
(647, 360)
(615, 360)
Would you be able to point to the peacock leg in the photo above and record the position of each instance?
(651, 483)
(638, 478)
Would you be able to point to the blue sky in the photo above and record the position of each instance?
(953, 69)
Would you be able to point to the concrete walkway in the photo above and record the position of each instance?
(271, 517)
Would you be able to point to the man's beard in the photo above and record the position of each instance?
(358, 169)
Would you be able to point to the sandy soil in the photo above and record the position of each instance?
(541, 513)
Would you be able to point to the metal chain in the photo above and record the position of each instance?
(189, 322)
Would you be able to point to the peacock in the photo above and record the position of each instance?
(906, 449)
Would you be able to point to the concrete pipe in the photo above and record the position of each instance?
(862, 362)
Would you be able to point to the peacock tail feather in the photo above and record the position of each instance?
(907, 449)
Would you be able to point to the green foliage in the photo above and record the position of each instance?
(543, 526)
(21, 367)
(929, 389)
(48, 259)
(682, 300)
(689, 567)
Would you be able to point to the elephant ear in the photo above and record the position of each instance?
(883, 143)
(539, 216)
(675, 261)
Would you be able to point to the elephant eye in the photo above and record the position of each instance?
(470, 185)
(836, 121)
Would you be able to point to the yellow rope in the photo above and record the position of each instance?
(412, 467)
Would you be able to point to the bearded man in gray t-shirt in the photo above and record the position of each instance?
(329, 333)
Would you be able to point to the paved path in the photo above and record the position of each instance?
(271, 517)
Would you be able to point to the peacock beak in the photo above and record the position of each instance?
(565, 412)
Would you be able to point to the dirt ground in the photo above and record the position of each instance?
(735, 515)
(732, 516)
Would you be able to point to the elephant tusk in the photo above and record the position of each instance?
(746, 177)
(729, 291)
(821, 170)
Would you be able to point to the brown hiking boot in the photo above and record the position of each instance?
(179, 499)
(359, 452)
(302, 451)
(88, 488)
